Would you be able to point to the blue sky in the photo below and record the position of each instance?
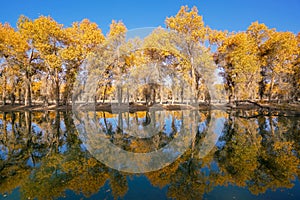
(232, 15)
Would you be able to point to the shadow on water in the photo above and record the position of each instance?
(43, 156)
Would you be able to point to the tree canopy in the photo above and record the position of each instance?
(40, 60)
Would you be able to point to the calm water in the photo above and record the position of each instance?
(232, 155)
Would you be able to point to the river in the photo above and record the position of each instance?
(183, 154)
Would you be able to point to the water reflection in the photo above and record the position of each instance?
(43, 156)
(124, 143)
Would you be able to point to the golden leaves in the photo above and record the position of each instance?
(217, 37)
(189, 23)
(82, 37)
(117, 29)
(11, 42)
(239, 57)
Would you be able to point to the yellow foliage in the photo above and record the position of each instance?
(117, 29)
(189, 23)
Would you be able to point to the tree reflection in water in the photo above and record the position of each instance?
(42, 156)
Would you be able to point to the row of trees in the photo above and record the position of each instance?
(260, 62)
(41, 59)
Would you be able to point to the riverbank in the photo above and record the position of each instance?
(244, 105)
(101, 107)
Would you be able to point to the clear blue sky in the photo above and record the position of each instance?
(232, 15)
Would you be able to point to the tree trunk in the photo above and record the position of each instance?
(20, 120)
(153, 95)
(207, 96)
(181, 94)
(161, 94)
(57, 92)
(194, 84)
(12, 98)
(104, 94)
(27, 90)
(173, 96)
(13, 119)
(4, 91)
(271, 88)
(28, 122)
(4, 125)
(57, 130)
(119, 94)
(128, 96)
(295, 88)
(230, 94)
(120, 122)
(105, 122)
(66, 94)
(95, 100)
(19, 95)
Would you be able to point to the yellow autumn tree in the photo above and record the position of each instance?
(260, 33)
(240, 66)
(83, 38)
(49, 42)
(31, 61)
(15, 61)
(280, 52)
(190, 35)
(108, 62)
